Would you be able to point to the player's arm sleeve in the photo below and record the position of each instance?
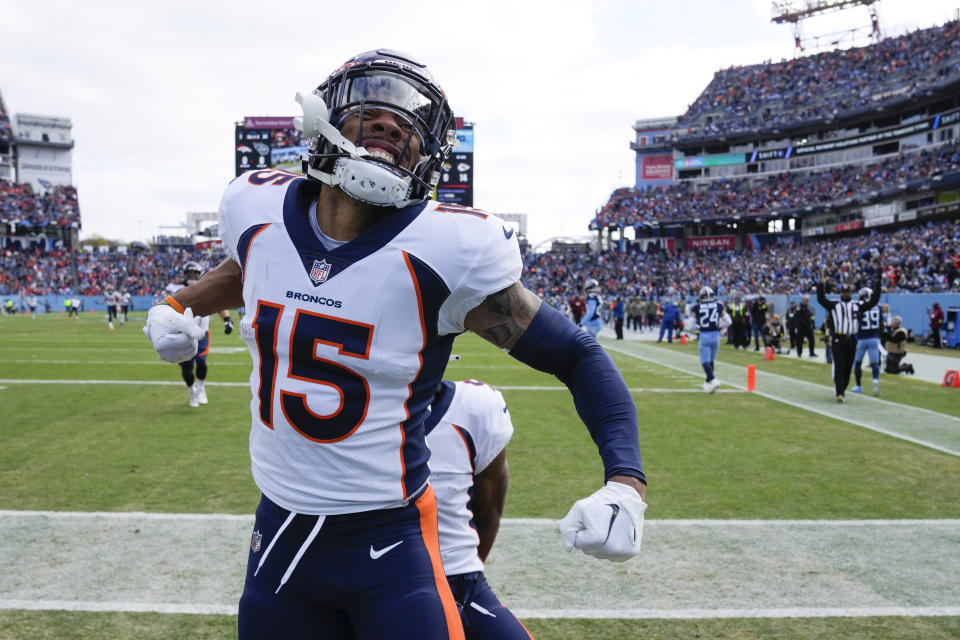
(225, 222)
(875, 297)
(552, 344)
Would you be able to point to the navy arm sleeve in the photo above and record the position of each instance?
(553, 344)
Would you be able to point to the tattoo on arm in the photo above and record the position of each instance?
(504, 316)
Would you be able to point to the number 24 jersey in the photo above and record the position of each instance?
(349, 344)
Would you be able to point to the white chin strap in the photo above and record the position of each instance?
(367, 181)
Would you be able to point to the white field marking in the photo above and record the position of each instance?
(833, 413)
(167, 383)
(195, 563)
(155, 383)
(117, 362)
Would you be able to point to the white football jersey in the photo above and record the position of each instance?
(468, 427)
(112, 298)
(349, 344)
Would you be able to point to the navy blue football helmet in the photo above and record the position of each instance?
(383, 79)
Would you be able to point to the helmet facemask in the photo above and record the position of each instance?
(368, 85)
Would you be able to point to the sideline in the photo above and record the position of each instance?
(914, 424)
(195, 564)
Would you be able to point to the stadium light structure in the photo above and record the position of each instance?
(795, 12)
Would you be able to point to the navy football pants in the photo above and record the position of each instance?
(484, 618)
(368, 575)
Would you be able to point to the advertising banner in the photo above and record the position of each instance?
(656, 167)
(712, 242)
(456, 173)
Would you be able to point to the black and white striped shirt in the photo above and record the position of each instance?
(845, 314)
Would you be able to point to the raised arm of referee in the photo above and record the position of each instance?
(844, 317)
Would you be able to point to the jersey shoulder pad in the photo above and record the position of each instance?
(252, 198)
(474, 252)
(481, 410)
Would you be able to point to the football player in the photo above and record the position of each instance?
(707, 313)
(356, 287)
(467, 433)
(112, 299)
(194, 370)
(869, 326)
(592, 320)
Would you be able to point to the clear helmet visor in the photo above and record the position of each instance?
(396, 93)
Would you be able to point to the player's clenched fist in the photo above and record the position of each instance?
(174, 335)
(607, 524)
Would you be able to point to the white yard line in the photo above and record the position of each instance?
(168, 383)
(195, 564)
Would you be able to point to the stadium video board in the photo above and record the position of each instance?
(264, 143)
(456, 174)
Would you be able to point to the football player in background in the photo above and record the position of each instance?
(356, 287)
(194, 370)
(125, 299)
(467, 432)
(592, 320)
(707, 313)
(869, 326)
(112, 299)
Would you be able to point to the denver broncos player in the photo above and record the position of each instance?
(356, 286)
(196, 382)
(707, 313)
(467, 433)
(592, 320)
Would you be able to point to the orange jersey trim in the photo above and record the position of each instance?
(427, 506)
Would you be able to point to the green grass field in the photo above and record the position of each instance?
(731, 456)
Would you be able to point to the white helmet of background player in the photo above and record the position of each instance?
(393, 172)
(706, 293)
(192, 272)
(865, 294)
(591, 287)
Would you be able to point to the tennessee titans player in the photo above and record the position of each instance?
(593, 318)
(707, 313)
(869, 327)
(356, 286)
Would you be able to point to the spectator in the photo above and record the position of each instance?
(936, 321)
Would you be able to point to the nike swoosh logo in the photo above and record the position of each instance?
(613, 516)
(486, 612)
(375, 554)
(507, 234)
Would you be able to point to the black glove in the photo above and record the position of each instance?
(227, 326)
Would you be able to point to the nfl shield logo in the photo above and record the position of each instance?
(255, 541)
(320, 271)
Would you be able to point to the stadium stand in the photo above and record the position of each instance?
(918, 259)
(836, 85)
(784, 193)
(20, 205)
(5, 132)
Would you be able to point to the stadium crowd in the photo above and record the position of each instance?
(919, 259)
(726, 198)
(19, 204)
(138, 273)
(819, 87)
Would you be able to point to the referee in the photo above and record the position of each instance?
(843, 317)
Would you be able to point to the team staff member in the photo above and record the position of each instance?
(356, 287)
(467, 432)
(844, 318)
(895, 342)
(805, 323)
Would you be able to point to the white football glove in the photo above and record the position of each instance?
(174, 335)
(607, 524)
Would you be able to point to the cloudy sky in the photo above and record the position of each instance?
(554, 87)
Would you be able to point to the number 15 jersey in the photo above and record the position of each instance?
(349, 344)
